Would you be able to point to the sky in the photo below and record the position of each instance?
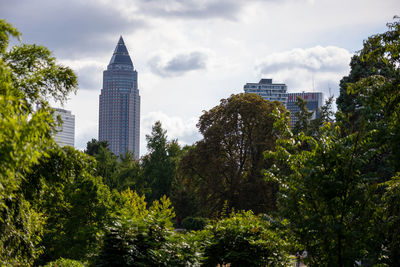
(190, 54)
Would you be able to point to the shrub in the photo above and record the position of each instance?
(146, 237)
(244, 239)
(61, 262)
(194, 223)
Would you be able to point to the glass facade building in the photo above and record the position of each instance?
(65, 135)
(119, 107)
(314, 103)
(278, 92)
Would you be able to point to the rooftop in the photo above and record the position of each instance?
(121, 54)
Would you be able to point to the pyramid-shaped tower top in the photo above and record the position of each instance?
(121, 54)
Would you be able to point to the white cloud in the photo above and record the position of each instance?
(317, 68)
(183, 129)
(324, 59)
(179, 64)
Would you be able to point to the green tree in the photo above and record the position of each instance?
(35, 73)
(390, 216)
(65, 263)
(75, 202)
(325, 115)
(226, 164)
(141, 236)
(378, 112)
(184, 197)
(118, 173)
(93, 147)
(28, 74)
(303, 117)
(326, 194)
(330, 182)
(107, 167)
(243, 239)
(107, 162)
(130, 174)
(369, 95)
(159, 165)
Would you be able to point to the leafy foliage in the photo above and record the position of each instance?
(338, 181)
(325, 194)
(145, 237)
(194, 223)
(391, 217)
(303, 117)
(24, 138)
(117, 173)
(35, 73)
(93, 147)
(76, 204)
(243, 239)
(226, 164)
(61, 262)
(159, 166)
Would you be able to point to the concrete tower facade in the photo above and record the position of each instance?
(119, 107)
(268, 90)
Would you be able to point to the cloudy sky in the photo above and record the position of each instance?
(189, 54)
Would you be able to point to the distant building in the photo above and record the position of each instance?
(119, 108)
(65, 135)
(268, 90)
(314, 103)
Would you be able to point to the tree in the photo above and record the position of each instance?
(184, 198)
(226, 165)
(325, 115)
(370, 95)
(303, 117)
(243, 239)
(339, 187)
(107, 162)
(28, 74)
(34, 72)
(326, 194)
(310, 126)
(93, 147)
(379, 112)
(159, 166)
(107, 165)
(141, 236)
(130, 174)
(75, 202)
(390, 216)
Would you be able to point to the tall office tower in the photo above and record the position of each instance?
(268, 90)
(119, 109)
(65, 135)
(314, 103)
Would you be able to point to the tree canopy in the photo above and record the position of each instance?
(329, 187)
(225, 166)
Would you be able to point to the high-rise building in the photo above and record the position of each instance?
(65, 135)
(268, 90)
(277, 92)
(314, 103)
(119, 108)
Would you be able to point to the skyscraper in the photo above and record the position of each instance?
(314, 103)
(119, 108)
(277, 92)
(268, 90)
(65, 135)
